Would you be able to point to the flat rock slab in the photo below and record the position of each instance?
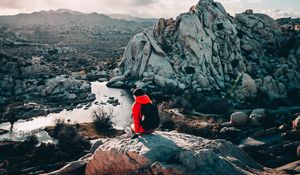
(254, 143)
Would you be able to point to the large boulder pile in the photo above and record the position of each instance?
(206, 49)
(169, 153)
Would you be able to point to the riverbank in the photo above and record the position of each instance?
(30, 156)
(89, 132)
(116, 100)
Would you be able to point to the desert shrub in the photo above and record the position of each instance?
(103, 120)
(69, 140)
(46, 152)
(59, 124)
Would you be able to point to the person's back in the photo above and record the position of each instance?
(141, 99)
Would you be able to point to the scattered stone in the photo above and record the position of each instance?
(284, 127)
(257, 116)
(71, 97)
(116, 82)
(239, 119)
(110, 100)
(296, 123)
(226, 124)
(182, 86)
(248, 144)
(115, 102)
(89, 105)
(103, 79)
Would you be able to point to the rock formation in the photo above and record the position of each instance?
(206, 49)
(170, 153)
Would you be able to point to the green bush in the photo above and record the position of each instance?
(103, 120)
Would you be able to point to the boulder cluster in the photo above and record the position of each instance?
(271, 137)
(243, 57)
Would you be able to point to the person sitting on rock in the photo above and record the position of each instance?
(144, 114)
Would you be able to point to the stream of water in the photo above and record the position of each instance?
(121, 113)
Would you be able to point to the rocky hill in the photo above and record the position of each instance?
(67, 19)
(209, 55)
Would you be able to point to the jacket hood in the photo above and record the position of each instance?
(144, 99)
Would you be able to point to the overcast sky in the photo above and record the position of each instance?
(149, 8)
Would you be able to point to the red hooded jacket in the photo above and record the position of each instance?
(137, 114)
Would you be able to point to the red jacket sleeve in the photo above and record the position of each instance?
(136, 114)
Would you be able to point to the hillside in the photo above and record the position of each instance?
(84, 32)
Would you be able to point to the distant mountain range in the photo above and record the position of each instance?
(63, 16)
(91, 33)
(131, 18)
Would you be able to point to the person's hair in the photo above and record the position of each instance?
(138, 92)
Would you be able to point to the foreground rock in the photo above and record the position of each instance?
(170, 153)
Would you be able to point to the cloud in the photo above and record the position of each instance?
(254, 1)
(15, 4)
(277, 13)
(141, 8)
(144, 2)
